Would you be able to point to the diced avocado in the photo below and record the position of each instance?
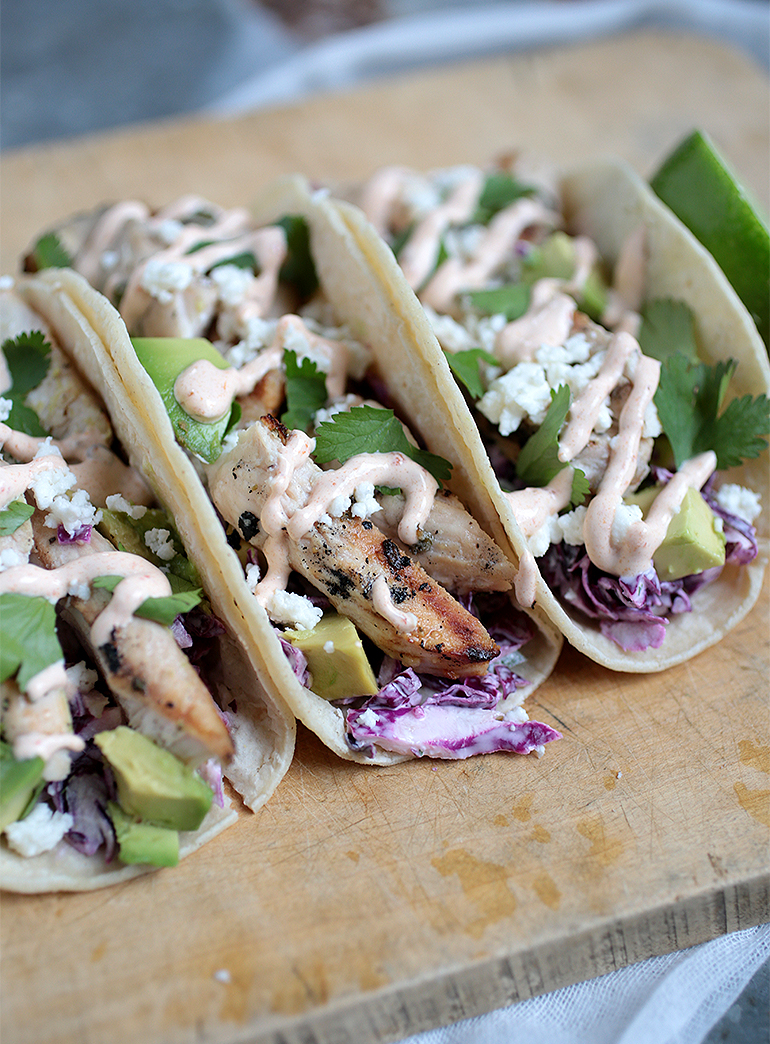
(556, 258)
(152, 783)
(20, 783)
(164, 358)
(140, 842)
(127, 534)
(692, 543)
(335, 657)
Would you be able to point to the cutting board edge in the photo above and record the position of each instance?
(453, 995)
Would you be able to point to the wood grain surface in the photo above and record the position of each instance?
(364, 904)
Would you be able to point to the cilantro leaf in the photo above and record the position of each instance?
(162, 610)
(668, 327)
(243, 260)
(305, 391)
(299, 268)
(367, 429)
(29, 642)
(538, 461)
(580, 488)
(688, 400)
(48, 252)
(14, 515)
(500, 190)
(465, 366)
(512, 300)
(28, 358)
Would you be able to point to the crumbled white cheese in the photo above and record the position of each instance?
(338, 506)
(161, 543)
(626, 515)
(253, 574)
(450, 334)
(6, 282)
(651, 426)
(365, 503)
(117, 502)
(738, 500)
(39, 832)
(81, 677)
(161, 279)
(338, 406)
(521, 392)
(73, 513)
(109, 260)
(79, 589)
(169, 230)
(285, 607)
(368, 719)
(9, 558)
(329, 647)
(232, 282)
(571, 526)
(6, 405)
(223, 975)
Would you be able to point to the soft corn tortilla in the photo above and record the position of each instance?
(607, 201)
(369, 305)
(263, 729)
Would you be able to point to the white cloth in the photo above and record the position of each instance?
(674, 999)
(475, 30)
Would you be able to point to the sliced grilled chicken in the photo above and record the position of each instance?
(152, 679)
(346, 557)
(458, 554)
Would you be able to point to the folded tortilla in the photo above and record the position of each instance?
(260, 726)
(366, 304)
(608, 202)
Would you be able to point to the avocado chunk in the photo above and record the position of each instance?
(140, 842)
(556, 258)
(164, 358)
(152, 783)
(336, 659)
(692, 543)
(20, 783)
(128, 533)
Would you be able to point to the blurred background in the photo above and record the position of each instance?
(70, 67)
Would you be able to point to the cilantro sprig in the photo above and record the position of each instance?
(14, 515)
(48, 252)
(162, 610)
(465, 366)
(689, 399)
(367, 429)
(499, 191)
(538, 461)
(29, 643)
(28, 358)
(305, 391)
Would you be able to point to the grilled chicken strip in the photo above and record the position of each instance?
(154, 682)
(458, 554)
(343, 557)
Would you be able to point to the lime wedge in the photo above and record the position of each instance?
(706, 196)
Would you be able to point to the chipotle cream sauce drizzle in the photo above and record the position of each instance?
(140, 580)
(496, 244)
(15, 479)
(381, 469)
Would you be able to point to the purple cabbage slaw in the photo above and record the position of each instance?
(425, 716)
(633, 611)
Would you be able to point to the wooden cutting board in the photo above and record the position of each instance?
(362, 905)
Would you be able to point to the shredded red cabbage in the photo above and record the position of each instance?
(82, 535)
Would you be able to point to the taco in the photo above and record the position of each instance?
(126, 702)
(381, 609)
(615, 393)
